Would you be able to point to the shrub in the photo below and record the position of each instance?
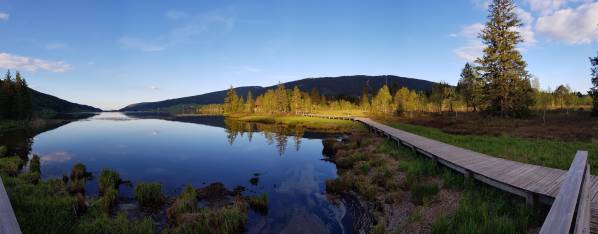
(421, 192)
(185, 203)
(149, 194)
(77, 186)
(34, 164)
(367, 190)
(259, 203)
(108, 179)
(10, 165)
(30, 177)
(79, 171)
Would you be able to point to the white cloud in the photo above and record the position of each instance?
(573, 26)
(188, 30)
(175, 15)
(473, 46)
(526, 30)
(154, 88)
(10, 61)
(55, 46)
(471, 31)
(139, 44)
(4, 16)
(481, 4)
(546, 6)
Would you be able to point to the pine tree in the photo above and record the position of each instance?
(315, 96)
(507, 91)
(296, 100)
(231, 101)
(22, 100)
(470, 86)
(282, 99)
(7, 97)
(250, 102)
(594, 90)
(365, 98)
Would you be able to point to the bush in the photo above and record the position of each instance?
(259, 203)
(149, 194)
(77, 186)
(108, 179)
(30, 177)
(34, 164)
(10, 165)
(185, 203)
(79, 171)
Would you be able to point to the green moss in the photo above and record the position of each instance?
(108, 179)
(149, 194)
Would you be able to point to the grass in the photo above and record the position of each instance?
(108, 179)
(3, 150)
(119, 224)
(550, 153)
(34, 164)
(11, 125)
(320, 124)
(10, 165)
(420, 193)
(149, 194)
(79, 171)
(185, 203)
(259, 203)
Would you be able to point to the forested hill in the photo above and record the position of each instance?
(44, 105)
(342, 86)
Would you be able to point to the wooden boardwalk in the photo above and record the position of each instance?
(534, 183)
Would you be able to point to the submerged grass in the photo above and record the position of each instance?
(149, 194)
(259, 203)
(550, 153)
(320, 124)
(108, 179)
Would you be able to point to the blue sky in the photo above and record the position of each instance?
(113, 53)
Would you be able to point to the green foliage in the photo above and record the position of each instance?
(119, 224)
(259, 203)
(149, 194)
(507, 91)
(30, 177)
(3, 151)
(15, 99)
(486, 210)
(185, 203)
(108, 199)
(79, 171)
(594, 90)
(10, 165)
(227, 220)
(34, 164)
(471, 86)
(108, 179)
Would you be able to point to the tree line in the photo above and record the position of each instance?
(497, 83)
(15, 99)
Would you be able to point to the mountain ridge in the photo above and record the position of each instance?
(346, 86)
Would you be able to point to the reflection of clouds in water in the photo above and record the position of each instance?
(59, 156)
(155, 132)
(300, 180)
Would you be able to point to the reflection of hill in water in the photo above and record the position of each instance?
(19, 142)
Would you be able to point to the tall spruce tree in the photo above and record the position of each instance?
(231, 101)
(250, 102)
(507, 91)
(365, 98)
(594, 90)
(470, 86)
(7, 96)
(296, 100)
(22, 100)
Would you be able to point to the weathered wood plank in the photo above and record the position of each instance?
(8, 221)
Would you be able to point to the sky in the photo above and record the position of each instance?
(110, 54)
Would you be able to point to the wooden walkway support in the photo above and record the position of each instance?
(8, 220)
(532, 182)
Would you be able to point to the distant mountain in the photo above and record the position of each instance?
(45, 105)
(342, 86)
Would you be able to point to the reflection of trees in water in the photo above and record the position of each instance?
(273, 133)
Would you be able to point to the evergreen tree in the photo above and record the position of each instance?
(296, 100)
(365, 98)
(315, 96)
(594, 89)
(231, 101)
(7, 97)
(470, 86)
(440, 94)
(22, 101)
(507, 90)
(282, 99)
(250, 102)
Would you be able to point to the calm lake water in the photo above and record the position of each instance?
(200, 151)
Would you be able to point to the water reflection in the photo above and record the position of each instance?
(177, 151)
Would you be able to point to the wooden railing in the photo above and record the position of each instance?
(570, 211)
(8, 220)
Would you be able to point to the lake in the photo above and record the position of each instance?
(198, 151)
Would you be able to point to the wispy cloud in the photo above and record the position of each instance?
(248, 69)
(136, 43)
(56, 46)
(10, 61)
(189, 28)
(4, 16)
(571, 25)
(473, 46)
(546, 6)
(154, 88)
